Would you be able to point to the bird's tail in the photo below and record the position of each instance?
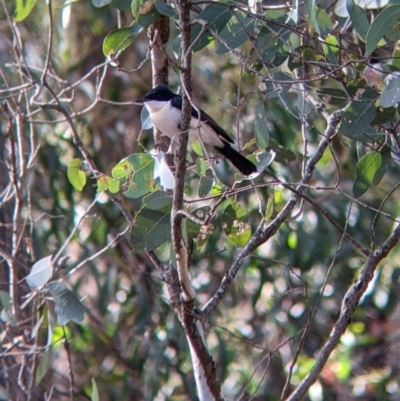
(245, 166)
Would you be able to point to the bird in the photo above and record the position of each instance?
(165, 109)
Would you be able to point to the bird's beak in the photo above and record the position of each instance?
(140, 100)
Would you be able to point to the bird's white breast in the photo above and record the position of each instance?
(167, 119)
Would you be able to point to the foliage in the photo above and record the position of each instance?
(312, 93)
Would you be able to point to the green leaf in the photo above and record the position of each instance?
(205, 184)
(120, 39)
(198, 148)
(331, 48)
(236, 32)
(148, 18)
(122, 169)
(22, 9)
(282, 78)
(282, 154)
(145, 12)
(42, 367)
(366, 169)
(106, 183)
(386, 158)
(396, 56)
(217, 189)
(139, 160)
(122, 5)
(157, 200)
(201, 167)
(269, 209)
(165, 9)
(266, 44)
(115, 186)
(394, 33)
(95, 392)
(324, 21)
(142, 180)
(358, 117)
(235, 224)
(391, 90)
(358, 18)
(384, 115)
(310, 6)
(68, 307)
(217, 16)
(261, 126)
(76, 176)
(332, 95)
(135, 6)
(142, 183)
(150, 230)
(103, 184)
(381, 24)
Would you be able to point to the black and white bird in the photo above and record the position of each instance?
(165, 108)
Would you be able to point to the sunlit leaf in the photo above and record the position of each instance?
(269, 209)
(122, 169)
(201, 167)
(41, 273)
(120, 39)
(22, 9)
(115, 186)
(103, 184)
(95, 392)
(76, 176)
(68, 307)
(331, 48)
(235, 224)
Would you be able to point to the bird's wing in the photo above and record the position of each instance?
(204, 117)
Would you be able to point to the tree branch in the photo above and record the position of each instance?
(349, 305)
